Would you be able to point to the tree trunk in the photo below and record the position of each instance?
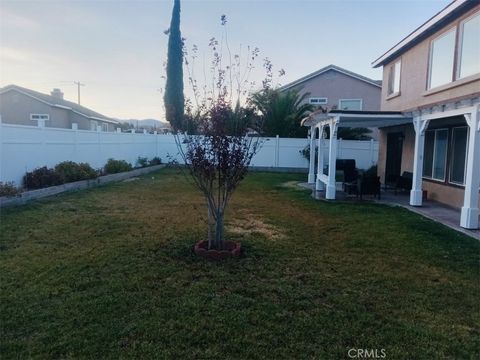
(219, 231)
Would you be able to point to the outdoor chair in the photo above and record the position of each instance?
(404, 182)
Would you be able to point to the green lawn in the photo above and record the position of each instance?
(109, 273)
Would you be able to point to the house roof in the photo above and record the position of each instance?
(377, 83)
(58, 102)
(443, 17)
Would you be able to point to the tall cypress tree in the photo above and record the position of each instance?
(174, 98)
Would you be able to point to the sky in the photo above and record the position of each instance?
(118, 48)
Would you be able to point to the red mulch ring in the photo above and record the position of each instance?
(231, 249)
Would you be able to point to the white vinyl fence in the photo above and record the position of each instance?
(24, 148)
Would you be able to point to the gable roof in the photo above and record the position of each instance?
(57, 102)
(440, 19)
(377, 83)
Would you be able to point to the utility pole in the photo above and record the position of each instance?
(78, 83)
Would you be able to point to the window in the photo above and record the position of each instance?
(350, 104)
(459, 155)
(435, 154)
(93, 125)
(36, 117)
(394, 78)
(104, 127)
(442, 53)
(469, 48)
(318, 101)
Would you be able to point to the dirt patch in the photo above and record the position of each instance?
(251, 224)
(292, 185)
(131, 179)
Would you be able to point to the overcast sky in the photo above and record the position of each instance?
(117, 48)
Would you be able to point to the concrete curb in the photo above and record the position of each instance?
(26, 196)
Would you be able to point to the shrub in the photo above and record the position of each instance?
(71, 171)
(8, 189)
(116, 166)
(142, 162)
(42, 177)
(155, 161)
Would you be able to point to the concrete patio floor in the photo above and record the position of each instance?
(430, 209)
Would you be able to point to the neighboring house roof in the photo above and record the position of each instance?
(377, 83)
(442, 18)
(58, 102)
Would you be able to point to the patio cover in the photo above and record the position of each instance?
(335, 119)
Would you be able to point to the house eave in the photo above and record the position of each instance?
(427, 28)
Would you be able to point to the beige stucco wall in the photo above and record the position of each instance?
(414, 74)
(444, 193)
(407, 149)
(335, 86)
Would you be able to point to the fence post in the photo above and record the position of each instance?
(75, 141)
(277, 151)
(155, 134)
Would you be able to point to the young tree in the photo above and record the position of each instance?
(174, 97)
(218, 157)
(218, 160)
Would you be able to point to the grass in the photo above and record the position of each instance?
(109, 273)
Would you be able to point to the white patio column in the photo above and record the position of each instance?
(320, 186)
(332, 161)
(311, 168)
(416, 193)
(470, 211)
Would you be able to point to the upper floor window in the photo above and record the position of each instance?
(350, 104)
(394, 78)
(318, 101)
(469, 47)
(441, 59)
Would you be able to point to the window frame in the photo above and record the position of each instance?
(446, 162)
(324, 102)
(96, 125)
(43, 117)
(340, 101)
(459, 47)
(391, 78)
(430, 57)
(453, 153)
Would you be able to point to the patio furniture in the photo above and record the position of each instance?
(368, 185)
(404, 182)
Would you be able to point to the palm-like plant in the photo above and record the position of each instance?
(282, 112)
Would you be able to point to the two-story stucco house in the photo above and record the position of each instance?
(335, 88)
(429, 120)
(23, 106)
(434, 75)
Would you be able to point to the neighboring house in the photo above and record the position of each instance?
(434, 75)
(23, 106)
(335, 88)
